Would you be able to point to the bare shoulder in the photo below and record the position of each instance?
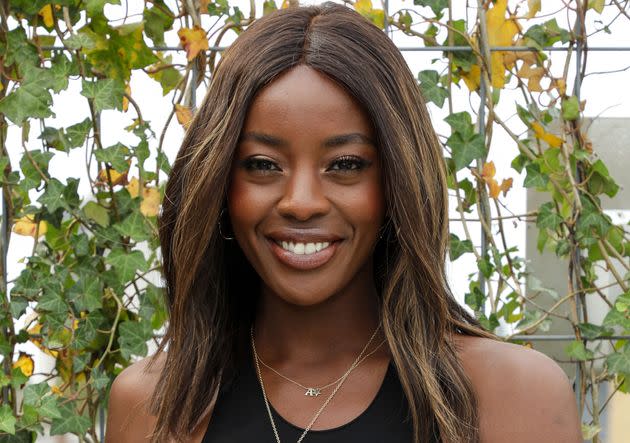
(128, 418)
(523, 395)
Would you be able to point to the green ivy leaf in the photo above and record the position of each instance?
(33, 393)
(20, 50)
(87, 333)
(592, 331)
(80, 40)
(534, 178)
(30, 100)
(461, 123)
(168, 78)
(464, 151)
(437, 6)
(33, 164)
(431, 89)
(107, 93)
(96, 212)
(547, 217)
(619, 362)
(133, 338)
(578, 351)
(622, 303)
(134, 226)
(127, 263)
(52, 302)
(49, 407)
(99, 379)
(53, 198)
(96, 7)
(571, 108)
(7, 419)
(601, 181)
(157, 19)
(87, 293)
(459, 247)
(70, 421)
(115, 155)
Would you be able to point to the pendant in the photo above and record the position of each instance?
(313, 392)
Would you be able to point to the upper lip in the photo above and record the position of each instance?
(302, 236)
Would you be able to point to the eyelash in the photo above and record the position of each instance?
(256, 164)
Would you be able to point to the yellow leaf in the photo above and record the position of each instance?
(488, 170)
(472, 78)
(498, 69)
(125, 103)
(533, 76)
(501, 30)
(560, 84)
(203, 6)
(534, 8)
(150, 205)
(46, 13)
(376, 16)
(493, 188)
(133, 187)
(597, 5)
(55, 390)
(506, 184)
(193, 41)
(118, 178)
(285, 4)
(27, 226)
(540, 133)
(184, 115)
(25, 363)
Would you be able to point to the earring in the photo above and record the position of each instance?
(220, 231)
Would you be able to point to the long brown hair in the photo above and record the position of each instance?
(212, 289)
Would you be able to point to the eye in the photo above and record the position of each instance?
(259, 165)
(349, 163)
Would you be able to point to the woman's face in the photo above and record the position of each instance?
(305, 199)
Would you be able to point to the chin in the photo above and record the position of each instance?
(303, 296)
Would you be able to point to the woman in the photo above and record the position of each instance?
(304, 233)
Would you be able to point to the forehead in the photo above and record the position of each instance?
(304, 102)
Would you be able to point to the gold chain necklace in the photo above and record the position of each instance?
(315, 391)
(319, 411)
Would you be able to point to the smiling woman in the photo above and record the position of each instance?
(304, 235)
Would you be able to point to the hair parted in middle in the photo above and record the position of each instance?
(212, 289)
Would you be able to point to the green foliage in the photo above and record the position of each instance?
(86, 285)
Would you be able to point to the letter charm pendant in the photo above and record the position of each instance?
(313, 392)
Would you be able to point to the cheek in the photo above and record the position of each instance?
(364, 204)
(247, 204)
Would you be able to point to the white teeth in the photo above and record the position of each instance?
(303, 248)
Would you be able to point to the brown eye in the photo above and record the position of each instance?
(349, 163)
(258, 164)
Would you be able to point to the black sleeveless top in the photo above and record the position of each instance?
(240, 416)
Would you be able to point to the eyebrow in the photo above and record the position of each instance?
(332, 142)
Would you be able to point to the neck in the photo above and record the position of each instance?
(334, 329)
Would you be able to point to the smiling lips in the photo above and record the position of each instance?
(303, 255)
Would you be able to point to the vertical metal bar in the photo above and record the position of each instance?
(484, 212)
(386, 17)
(192, 98)
(4, 246)
(579, 28)
(101, 425)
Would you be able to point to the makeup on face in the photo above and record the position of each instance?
(306, 199)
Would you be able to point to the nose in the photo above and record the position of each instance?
(303, 196)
